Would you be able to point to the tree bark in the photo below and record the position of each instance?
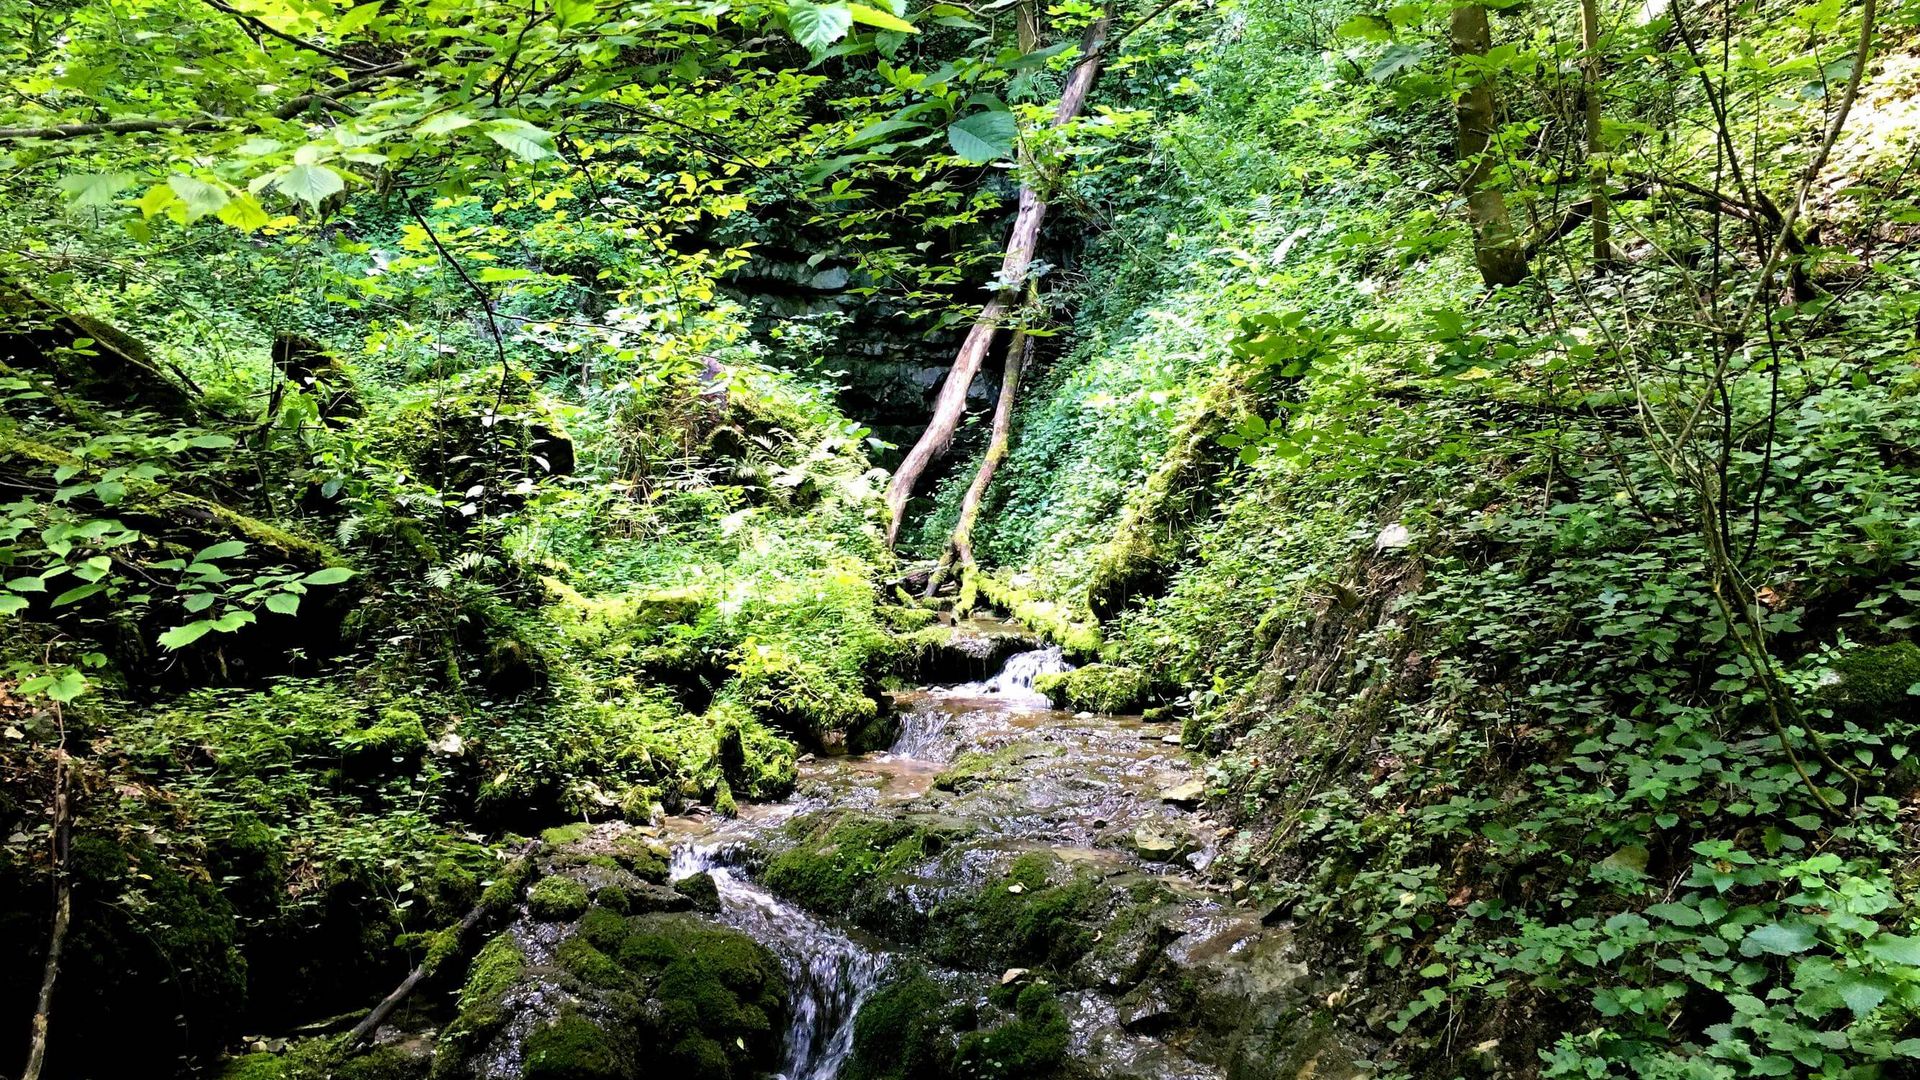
(951, 404)
(62, 916)
(1497, 249)
(959, 554)
(1596, 143)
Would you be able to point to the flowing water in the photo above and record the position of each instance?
(1088, 788)
(829, 975)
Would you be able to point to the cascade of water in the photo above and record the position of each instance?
(828, 973)
(1016, 677)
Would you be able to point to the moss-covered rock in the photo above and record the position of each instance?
(1031, 1045)
(907, 1031)
(557, 898)
(1039, 913)
(572, 1047)
(1871, 686)
(836, 859)
(701, 890)
(1101, 688)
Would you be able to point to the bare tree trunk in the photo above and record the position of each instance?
(951, 404)
(1596, 142)
(62, 916)
(959, 554)
(1497, 249)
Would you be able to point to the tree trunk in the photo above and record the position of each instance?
(951, 404)
(1497, 250)
(1596, 143)
(959, 552)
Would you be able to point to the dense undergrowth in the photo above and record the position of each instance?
(1425, 568)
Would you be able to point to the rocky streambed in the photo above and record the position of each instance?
(1009, 891)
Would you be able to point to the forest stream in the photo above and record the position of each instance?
(994, 766)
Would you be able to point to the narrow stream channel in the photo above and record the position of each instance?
(1086, 811)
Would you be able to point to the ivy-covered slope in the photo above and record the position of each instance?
(1511, 622)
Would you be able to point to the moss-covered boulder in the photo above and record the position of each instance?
(919, 1028)
(1101, 688)
(835, 863)
(620, 998)
(557, 898)
(1873, 685)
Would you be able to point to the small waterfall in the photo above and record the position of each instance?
(829, 974)
(1015, 680)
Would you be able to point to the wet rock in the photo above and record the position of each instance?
(700, 890)
(1188, 794)
(1155, 845)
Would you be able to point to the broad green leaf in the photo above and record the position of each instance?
(882, 20)
(504, 273)
(67, 685)
(983, 137)
(233, 620)
(332, 575)
(78, 593)
(356, 19)
(157, 199)
(1895, 949)
(94, 189)
(210, 442)
(310, 184)
(575, 12)
(9, 603)
(880, 129)
(1861, 993)
(199, 197)
(283, 603)
(816, 26)
(1677, 914)
(244, 212)
(27, 584)
(1779, 939)
(226, 550)
(521, 139)
(182, 636)
(1366, 28)
(443, 123)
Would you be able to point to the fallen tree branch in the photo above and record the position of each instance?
(451, 945)
(62, 917)
(291, 108)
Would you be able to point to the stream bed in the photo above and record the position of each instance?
(1104, 795)
(1007, 890)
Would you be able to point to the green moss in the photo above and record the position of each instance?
(1041, 923)
(901, 1033)
(1870, 685)
(563, 835)
(572, 1047)
(836, 859)
(643, 856)
(1101, 688)
(580, 958)
(1052, 620)
(701, 889)
(1033, 1044)
(557, 898)
(720, 996)
(605, 928)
